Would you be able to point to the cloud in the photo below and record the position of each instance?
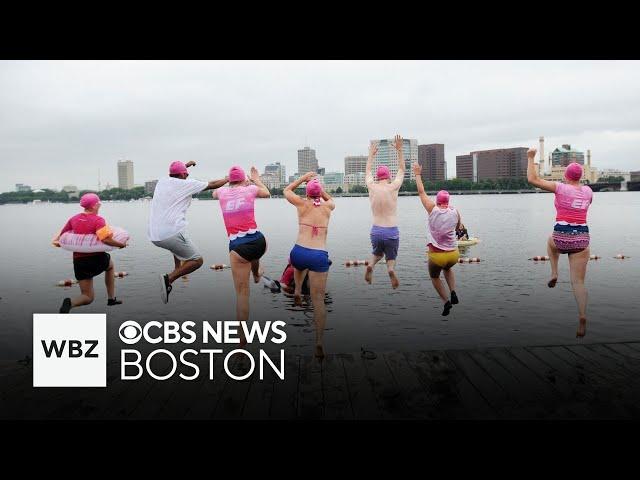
(62, 122)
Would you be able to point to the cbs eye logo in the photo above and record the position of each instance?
(130, 332)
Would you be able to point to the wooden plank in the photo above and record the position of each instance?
(628, 366)
(361, 392)
(547, 401)
(508, 382)
(337, 404)
(186, 391)
(454, 395)
(310, 395)
(490, 390)
(420, 403)
(160, 391)
(284, 402)
(259, 397)
(624, 349)
(634, 345)
(206, 398)
(391, 401)
(581, 376)
(235, 392)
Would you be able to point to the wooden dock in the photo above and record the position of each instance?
(581, 381)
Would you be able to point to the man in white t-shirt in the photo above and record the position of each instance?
(167, 221)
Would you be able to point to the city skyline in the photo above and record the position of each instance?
(67, 122)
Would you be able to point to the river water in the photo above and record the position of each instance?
(504, 299)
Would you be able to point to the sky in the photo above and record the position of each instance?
(69, 122)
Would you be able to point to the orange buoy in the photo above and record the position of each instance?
(121, 274)
(218, 266)
(594, 257)
(539, 258)
(355, 263)
(66, 283)
(620, 256)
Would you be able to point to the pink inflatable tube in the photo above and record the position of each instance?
(89, 243)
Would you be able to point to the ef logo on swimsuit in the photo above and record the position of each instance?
(233, 205)
(130, 332)
(69, 350)
(580, 204)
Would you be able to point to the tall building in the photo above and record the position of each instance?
(277, 170)
(431, 158)
(492, 164)
(150, 187)
(307, 161)
(387, 155)
(357, 178)
(355, 164)
(333, 179)
(125, 174)
(21, 187)
(561, 157)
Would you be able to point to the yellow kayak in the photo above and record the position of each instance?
(468, 243)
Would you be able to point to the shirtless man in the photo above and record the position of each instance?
(383, 196)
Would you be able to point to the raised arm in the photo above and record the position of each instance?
(532, 174)
(213, 184)
(328, 200)
(397, 182)
(263, 191)
(373, 150)
(427, 203)
(289, 190)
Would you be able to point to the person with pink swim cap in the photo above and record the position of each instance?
(247, 244)
(383, 196)
(570, 232)
(89, 265)
(167, 221)
(443, 222)
(309, 255)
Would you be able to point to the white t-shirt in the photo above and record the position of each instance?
(171, 199)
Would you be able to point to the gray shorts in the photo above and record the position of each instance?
(180, 245)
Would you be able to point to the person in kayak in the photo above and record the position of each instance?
(570, 232)
(443, 248)
(461, 232)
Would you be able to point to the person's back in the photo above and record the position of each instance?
(572, 203)
(442, 227)
(383, 198)
(238, 212)
(171, 199)
(313, 222)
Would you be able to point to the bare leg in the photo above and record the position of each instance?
(185, 268)
(240, 269)
(318, 285)
(450, 278)
(434, 273)
(109, 281)
(368, 274)
(578, 268)
(298, 278)
(86, 293)
(395, 283)
(554, 255)
(256, 270)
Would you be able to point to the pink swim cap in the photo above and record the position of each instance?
(314, 189)
(236, 174)
(573, 172)
(89, 200)
(442, 198)
(177, 167)
(383, 172)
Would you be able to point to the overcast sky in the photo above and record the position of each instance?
(62, 122)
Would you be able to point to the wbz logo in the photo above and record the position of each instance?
(69, 350)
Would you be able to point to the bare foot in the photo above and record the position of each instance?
(297, 299)
(256, 278)
(552, 282)
(368, 275)
(395, 283)
(582, 328)
(319, 352)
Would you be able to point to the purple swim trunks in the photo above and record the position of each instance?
(385, 241)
